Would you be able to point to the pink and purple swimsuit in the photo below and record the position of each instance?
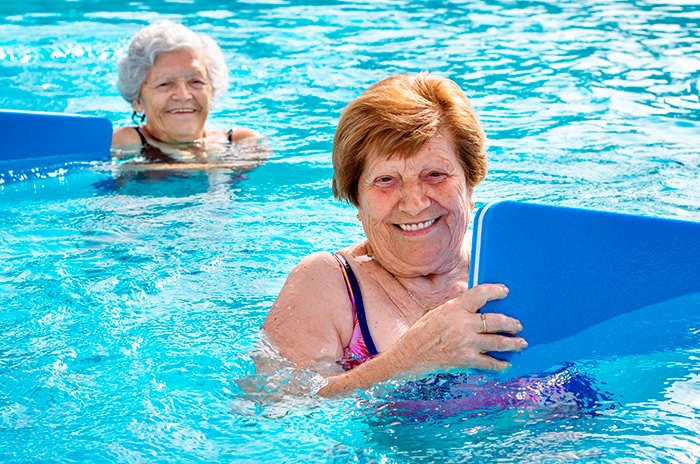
(361, 346)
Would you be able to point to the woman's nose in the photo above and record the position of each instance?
(414, 198)
(182, 91)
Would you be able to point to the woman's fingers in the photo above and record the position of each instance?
(493, 342)
(487, 363)
(459, 334)
(475, 298)
(492, 323)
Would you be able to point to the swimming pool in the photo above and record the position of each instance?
(127, 312)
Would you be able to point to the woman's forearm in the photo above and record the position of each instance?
(384, 367)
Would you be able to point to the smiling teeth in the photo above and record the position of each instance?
(419, 226)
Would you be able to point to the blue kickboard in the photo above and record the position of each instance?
(569, 269)
(32, 139)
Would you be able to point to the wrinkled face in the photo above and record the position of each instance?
(176, 97)
(415, 211)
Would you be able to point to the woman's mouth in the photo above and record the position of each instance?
(181, 110)
(417, 225)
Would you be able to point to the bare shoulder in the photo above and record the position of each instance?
(240, 134)
(125, 136)
(317, 263)
(311, 319)
(317, 279)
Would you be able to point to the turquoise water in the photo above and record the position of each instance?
(127, 312)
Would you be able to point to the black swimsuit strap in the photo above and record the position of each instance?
(153, 154)
(359, 306)
(144, 142)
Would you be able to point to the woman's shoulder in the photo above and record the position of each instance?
(318, 263)
(318, 273)
(238, 134)
(316, 283)
(322, 260)
(125, 136)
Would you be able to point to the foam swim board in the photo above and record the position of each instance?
(570, 269)
(32, 139)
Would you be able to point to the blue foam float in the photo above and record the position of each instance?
(588, 283)
(35, 140)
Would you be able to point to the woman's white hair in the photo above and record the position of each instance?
(167, 36)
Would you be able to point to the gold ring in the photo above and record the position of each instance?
(483, 323)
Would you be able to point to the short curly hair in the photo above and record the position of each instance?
(167, 36)
(395, 117)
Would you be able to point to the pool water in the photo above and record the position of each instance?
(128, 309)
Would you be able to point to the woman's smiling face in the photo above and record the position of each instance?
(176, 97)
(415, 211)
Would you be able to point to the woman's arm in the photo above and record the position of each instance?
(311, 322)
(447, 337)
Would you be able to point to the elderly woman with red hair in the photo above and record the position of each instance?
(407, 154)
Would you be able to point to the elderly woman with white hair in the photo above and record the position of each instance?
(171, 75)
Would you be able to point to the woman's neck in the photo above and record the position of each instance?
(161, 140)
(430, 290)
(454, 269)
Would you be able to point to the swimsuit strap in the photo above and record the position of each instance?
(358, 305)
(153, 154)
(144, 142)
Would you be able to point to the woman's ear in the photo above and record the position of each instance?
(136, 104)
(470, 198)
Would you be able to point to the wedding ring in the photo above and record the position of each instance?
(483, 323)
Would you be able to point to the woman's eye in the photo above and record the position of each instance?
(383, 180)
(434, 177)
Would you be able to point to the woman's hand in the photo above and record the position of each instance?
(456, 335)
(450, 336)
